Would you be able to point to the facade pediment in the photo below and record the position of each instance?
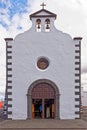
(42, 13)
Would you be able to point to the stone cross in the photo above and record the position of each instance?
(43, 5)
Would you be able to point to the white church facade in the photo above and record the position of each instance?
(43, 77)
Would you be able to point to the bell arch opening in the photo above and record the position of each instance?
(38, 25)
(43, 100)
(47, 25)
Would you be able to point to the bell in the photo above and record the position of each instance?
(38, 26)
(47, 26)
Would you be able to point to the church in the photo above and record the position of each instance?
(43, 72)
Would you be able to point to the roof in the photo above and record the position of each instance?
(47, 14)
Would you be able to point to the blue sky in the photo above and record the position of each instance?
(17, 6)
(12, 7)
(14, 19)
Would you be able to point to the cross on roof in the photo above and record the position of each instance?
(43, 5)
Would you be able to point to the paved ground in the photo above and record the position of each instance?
(44, 124)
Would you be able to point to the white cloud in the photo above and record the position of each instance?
(84, 81)
(2, 67)
(19, 21)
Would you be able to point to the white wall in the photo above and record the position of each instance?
(59, 48)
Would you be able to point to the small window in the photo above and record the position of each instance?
(38, 25)
(47, 25)
(42, 63)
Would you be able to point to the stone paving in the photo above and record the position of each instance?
(46, 124)
(43, 124)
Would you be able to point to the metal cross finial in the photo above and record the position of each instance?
(43, 5)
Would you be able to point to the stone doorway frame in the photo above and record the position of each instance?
(29, 97)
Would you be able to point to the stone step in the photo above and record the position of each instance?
(44, 129)
(44, 125)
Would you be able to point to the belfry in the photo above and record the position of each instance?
(43, 72)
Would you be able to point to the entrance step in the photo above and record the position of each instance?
(44, 124)
(43, 129)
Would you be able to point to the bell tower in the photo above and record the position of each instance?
(42, 20)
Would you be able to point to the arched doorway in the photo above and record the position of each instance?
(43, 100)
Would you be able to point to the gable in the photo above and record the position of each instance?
(43, 13)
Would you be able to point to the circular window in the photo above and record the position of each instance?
(42, 63)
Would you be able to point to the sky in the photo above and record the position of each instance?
(14, 19)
